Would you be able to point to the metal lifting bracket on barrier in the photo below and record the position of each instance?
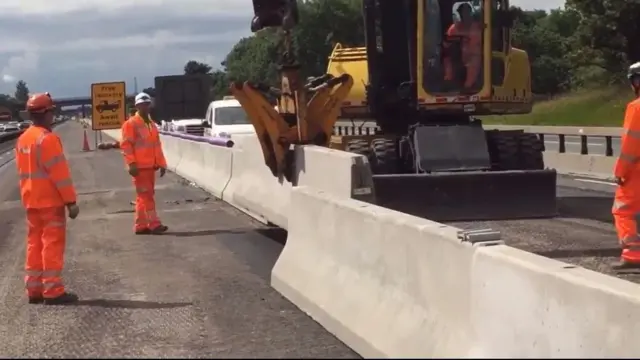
(481, 237)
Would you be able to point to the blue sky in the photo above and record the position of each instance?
(63, 46)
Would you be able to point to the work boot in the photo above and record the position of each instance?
(159, 230)
(36, 299)
(143, 232)
(66, 298)
(625, 265)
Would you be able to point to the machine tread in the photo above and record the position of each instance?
(507, 151)
(358, 146)
(384, 157)
(531, 152)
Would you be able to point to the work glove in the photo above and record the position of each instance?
(74, 210)
(133, 169)
(162, 172)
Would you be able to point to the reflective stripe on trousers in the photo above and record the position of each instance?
(146, 216)
(45, 252)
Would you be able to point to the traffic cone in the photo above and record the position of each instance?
(85, 145)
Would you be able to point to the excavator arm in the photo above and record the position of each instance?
(306, 111)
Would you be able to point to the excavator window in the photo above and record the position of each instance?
(498, 42)
(453, 46)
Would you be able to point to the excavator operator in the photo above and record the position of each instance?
(626, 205)
(467, 31)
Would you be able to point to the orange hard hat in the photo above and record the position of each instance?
(40, 103)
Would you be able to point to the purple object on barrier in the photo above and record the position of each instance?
(217, 141)
(220, 141)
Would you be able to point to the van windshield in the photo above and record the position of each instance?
(232, 115)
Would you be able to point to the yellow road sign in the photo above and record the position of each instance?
(108, 103)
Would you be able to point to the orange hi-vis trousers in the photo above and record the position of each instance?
(626, 213)
(146, 216)
(626, 207)
(46, 239)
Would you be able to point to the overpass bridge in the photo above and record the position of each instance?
(73, 101)
(80, 100)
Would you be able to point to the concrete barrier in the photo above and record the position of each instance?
(206, 165)
(254, 190)
(395, 286)
(589, 165)
(173, 151)
(239, 176)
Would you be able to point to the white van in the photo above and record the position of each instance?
(226, 118)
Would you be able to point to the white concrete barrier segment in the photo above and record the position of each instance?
(395, 286)
(588, 165)
(254, 190)
(239, 176)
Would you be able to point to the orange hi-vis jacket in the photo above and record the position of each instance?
(141, 144)
(471, 38)
(45, 179)
(627, 164)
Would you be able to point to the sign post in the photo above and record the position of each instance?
(108, 105)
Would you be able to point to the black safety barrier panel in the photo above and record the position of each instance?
(498, 195)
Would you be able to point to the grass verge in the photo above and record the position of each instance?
(584, 108)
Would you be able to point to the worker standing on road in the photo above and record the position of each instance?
(626, 206)
(46, 189)
(144, 156)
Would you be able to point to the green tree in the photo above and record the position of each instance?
(608, 33)
(194, 67)
(220, 84)
(254, 59)
(22, 92)
(150, 91)
(586, 43)
(323, 23)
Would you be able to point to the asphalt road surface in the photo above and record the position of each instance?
(200, 291)
(595, 145)
(583, 234)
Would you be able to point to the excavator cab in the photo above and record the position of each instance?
(465, 46)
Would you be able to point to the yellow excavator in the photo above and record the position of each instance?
(427, 69)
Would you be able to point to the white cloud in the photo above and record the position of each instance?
(48, 7)
(19, 66)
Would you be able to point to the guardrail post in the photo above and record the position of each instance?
(561, 145)
(609, 146)
(584, 148)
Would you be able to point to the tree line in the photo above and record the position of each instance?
(587, 43)
(16, 101)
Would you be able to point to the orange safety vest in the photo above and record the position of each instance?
(471, 38)
(141, 144)
(45, 179)
(627, 162)
(626, 203)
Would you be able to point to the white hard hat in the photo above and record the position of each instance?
(634, 70)
(143, 98)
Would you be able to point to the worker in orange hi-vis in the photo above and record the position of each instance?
(469, 32)
(143, 155)
(46, 189)
(626, 206)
